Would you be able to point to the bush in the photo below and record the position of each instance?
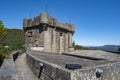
(78, 47)
(3, 31)
(2, 56)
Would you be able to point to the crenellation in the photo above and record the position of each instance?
(36, 20)
(25, 22)
(44, 18)
(29, 22)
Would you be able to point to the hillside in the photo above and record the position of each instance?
(106, 48)
(15, 35)
(14, 40)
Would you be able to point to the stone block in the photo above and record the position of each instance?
(49, 70)
(62, 74)
(109, 72)
(44, 18)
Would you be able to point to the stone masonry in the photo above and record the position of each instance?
(44, 33)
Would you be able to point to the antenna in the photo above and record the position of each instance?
(30, 14)
(46, 8)
(70, 19)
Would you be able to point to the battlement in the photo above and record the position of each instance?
(44, 18)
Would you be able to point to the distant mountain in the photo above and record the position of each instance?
(106, 48)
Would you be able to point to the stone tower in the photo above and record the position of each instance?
(44, 33)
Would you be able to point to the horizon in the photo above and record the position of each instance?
(82, 45)
(97, 22)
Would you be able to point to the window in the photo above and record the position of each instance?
(30, 33)
(60, 34)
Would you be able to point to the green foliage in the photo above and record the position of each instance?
(3, 32)
(15, 36)
(78, 47)
(73, 44)
(2, 56)
(14, 41)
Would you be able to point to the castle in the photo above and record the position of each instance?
(44, 33)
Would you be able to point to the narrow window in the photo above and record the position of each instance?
(36, 45)
(60, 34)
(30, 34)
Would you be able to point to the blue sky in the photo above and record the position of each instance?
(97, 21)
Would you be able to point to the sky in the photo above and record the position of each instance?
(97, 22)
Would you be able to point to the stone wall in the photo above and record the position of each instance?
(102, 72)
(45, 31)
(49, 71)
(49, 40)
(52, 71)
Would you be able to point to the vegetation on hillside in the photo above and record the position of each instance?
(3, 34)
(2, 57)
(14, 41)
(10, 40)
(78, 47)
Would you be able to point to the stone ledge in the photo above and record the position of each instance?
(37, 48)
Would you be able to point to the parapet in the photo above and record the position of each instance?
(44, 18)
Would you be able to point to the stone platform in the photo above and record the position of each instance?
(95, 54)
(86, 58)
(96, 65)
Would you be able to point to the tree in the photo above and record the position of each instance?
(2, 56)
(78, 47)
(3, 34)
(73, 44)
(3, 31)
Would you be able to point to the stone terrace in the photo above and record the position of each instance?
(95, 54)
(87, 58)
